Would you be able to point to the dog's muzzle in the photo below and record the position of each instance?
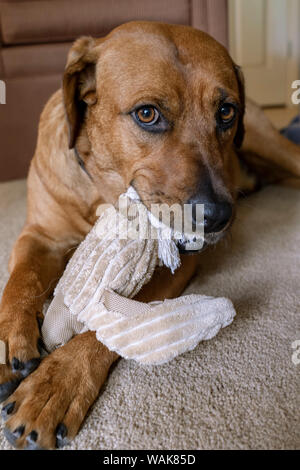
(216, 219)
(194, 246)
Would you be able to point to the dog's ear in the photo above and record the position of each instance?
(239, 136)
(79, 84)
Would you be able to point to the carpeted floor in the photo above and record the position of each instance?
(240, 390)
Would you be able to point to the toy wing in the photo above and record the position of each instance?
(150, 333)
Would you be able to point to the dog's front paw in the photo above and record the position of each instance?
(48, 407)
(20, 353)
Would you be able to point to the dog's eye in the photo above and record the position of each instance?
(150, 119)
(227, 113)
(147, 115)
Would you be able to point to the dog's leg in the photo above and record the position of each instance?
(265, 150)
(36, 265)
(49, 406)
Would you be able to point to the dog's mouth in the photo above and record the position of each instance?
(195, 246)
(190, 246)
(191, 242)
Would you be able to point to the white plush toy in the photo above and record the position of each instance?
(107, 270)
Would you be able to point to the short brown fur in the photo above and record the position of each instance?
(182, 71)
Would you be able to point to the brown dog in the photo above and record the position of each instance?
(157, 106)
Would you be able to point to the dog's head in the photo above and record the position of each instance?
(159, 107)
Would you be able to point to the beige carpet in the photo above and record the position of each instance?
(240, 390)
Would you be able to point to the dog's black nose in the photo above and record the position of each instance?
(218, 209)
(216, 216)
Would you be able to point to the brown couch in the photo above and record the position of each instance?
(35, 37)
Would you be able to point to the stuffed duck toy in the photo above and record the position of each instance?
(108, 269)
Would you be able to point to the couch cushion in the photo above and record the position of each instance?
(19, 117)
(63, 20)
(33, 60)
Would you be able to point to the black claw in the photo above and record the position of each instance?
(15, 363)
(19, 431)
(32, 437)
(8, 388)
(60, 443)
(40, 346)
(40, 321)
(31, 441)
(24, 368)
(33, 446)
(10, 437)
(7, 410)
(61, 432)
(17, 366)
(30, 366)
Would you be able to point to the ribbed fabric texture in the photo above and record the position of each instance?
(103, 276)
